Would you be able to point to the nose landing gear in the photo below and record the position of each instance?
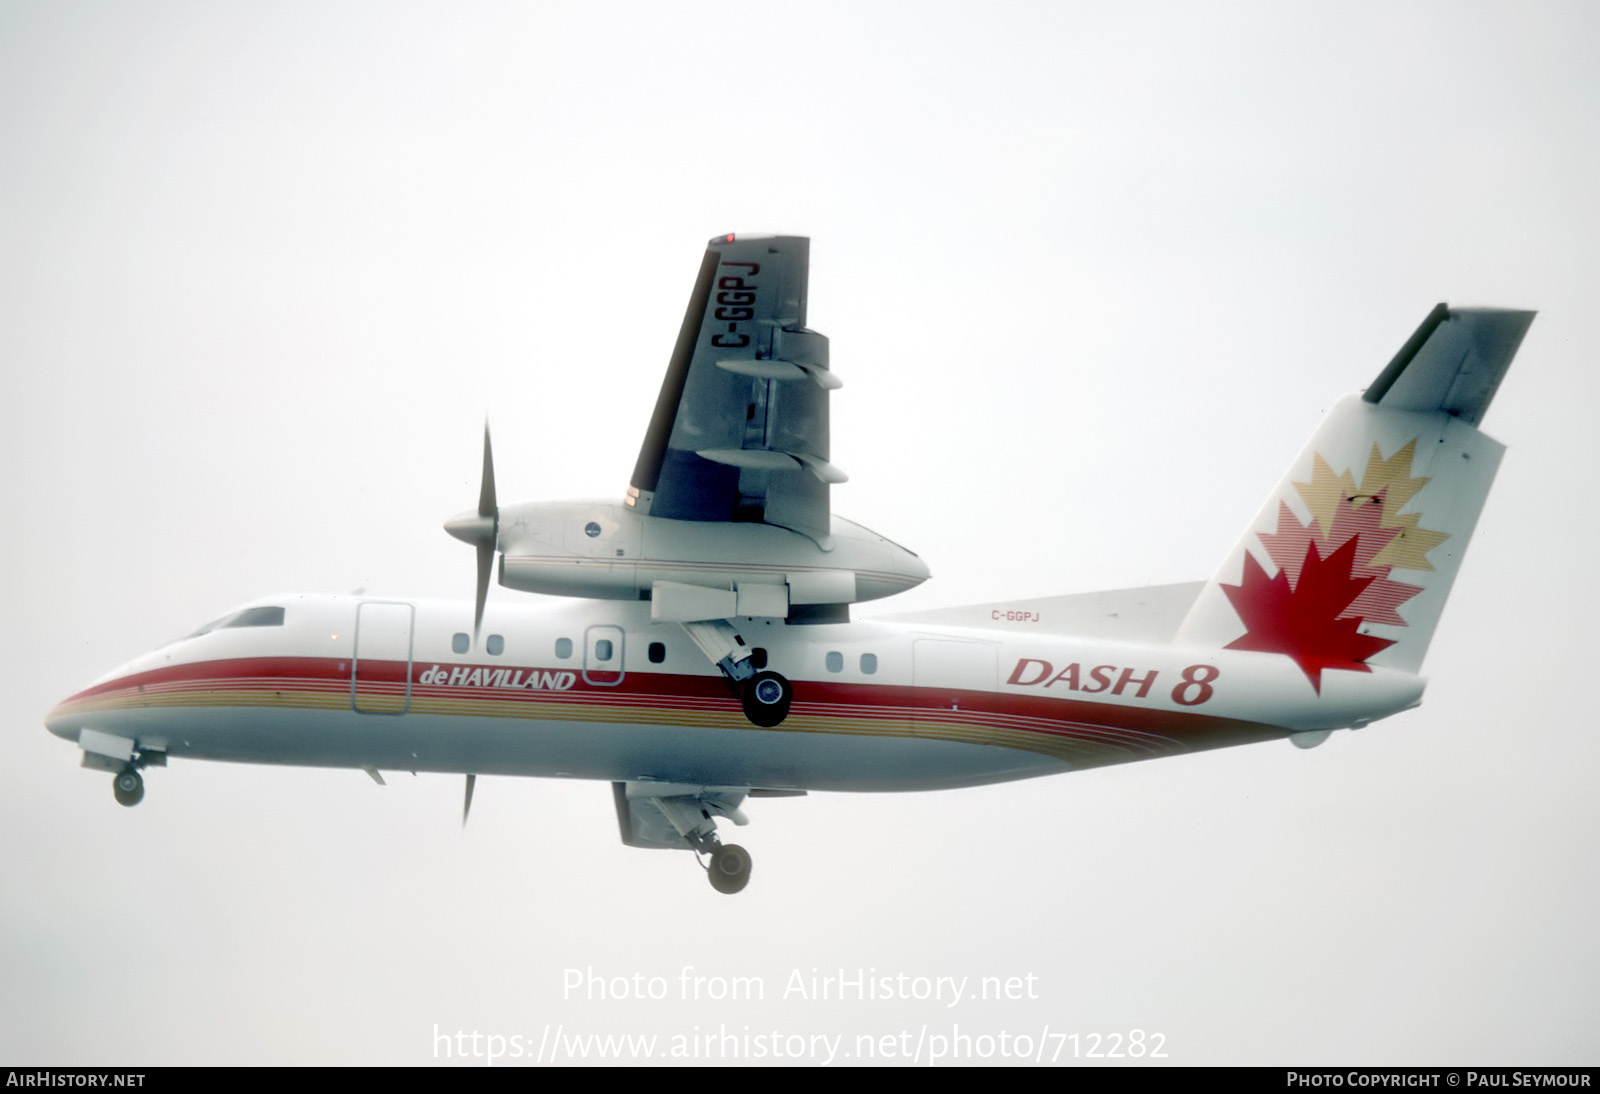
(729, 870)
(123, 757)
(688, 821)
(128, 787)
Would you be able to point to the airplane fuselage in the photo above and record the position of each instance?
(595, 690)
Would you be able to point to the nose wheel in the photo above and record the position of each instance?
(128, 787)
(766, 697)
(729, 870)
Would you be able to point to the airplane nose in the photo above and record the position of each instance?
(61, 723)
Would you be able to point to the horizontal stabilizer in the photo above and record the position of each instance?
(1453, 363)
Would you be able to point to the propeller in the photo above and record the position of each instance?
(466, 806)
(482, 530)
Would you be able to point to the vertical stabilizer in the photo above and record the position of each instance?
(1349, 562)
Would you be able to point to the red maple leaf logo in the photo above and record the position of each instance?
(1358, 522)
(1333, 573)
(1306, 620)
(1325, 588)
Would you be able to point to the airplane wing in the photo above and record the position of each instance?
(740, 430)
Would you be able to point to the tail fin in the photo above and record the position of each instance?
(1349, 562)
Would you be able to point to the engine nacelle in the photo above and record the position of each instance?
(693, 569)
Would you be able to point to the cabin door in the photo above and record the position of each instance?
(602, 656)
(380, 675)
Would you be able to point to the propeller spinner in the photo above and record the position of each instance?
(482, 530)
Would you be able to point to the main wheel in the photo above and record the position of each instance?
(730, 868)
(766, 699)
(128, 787)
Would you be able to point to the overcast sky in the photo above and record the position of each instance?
(1091, 273)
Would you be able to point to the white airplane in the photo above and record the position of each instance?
(708, 655)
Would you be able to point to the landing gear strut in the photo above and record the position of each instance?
(688, 820)
(128, 787)
(765, 696)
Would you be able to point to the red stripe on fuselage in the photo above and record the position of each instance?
(1153, 731)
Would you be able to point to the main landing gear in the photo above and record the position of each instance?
(764, 695)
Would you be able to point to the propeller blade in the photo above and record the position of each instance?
(487, 506)
(485, 565)
(482, 530)
(466, 806)
(488, 509)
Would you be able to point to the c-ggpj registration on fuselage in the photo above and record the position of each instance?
(707, 655)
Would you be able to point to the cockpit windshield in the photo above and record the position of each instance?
(249, 617)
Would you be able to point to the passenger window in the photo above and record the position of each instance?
(496, 645)
(834, 661)
(658, 653)
(869, 663)
(602, 650)
(758, 657)
(459, 642)
(563, 648)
